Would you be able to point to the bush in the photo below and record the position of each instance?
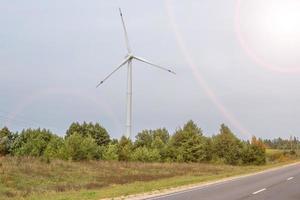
(32, 142)
(125, 148)
(189, 145)
(111, 152)
(155, 141)
(147, 137)
(6, 140)
(145, 154)
(91, 141)
(78, 148)
(226, 146)
(252, 154)
(259, 151)
(55, 149)
(95, 131)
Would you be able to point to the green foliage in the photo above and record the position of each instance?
(279, 155)
(125, 148)
(55, 149)
(91, 141)
(145, 154)
(146, 137)
(114, 141)
(227, 147)
(111, 152)
(32, 142)
(162, 134)
(97, 132)
(153, 143)
(78, 148)
(189, 145)
(6, 141)
(285, 144)
(30, 179)
(255, 153)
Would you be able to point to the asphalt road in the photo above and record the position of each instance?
(279, 184)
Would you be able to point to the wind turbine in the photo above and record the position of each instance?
(128, 60)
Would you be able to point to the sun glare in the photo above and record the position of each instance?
(282, 20)
(270, 31)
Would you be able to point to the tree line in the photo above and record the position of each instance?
(285, 144)
(89, 141)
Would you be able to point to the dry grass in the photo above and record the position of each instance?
(20, 178)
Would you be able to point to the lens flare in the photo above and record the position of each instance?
(200, 80)
(269, 32)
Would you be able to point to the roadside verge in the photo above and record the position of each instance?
(195, 186)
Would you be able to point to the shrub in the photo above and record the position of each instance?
(95, 131)
(55, 149)
(147, 137)
(125, 148)
(78, 148)
(189, 145)
(226, 146)
(6, 140)
(259, 151)
(111, 152)
(145, 154)
(91, 141)
(32, 142)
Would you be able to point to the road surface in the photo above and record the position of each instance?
(279, 184)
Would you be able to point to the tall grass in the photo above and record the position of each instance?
(21, 177)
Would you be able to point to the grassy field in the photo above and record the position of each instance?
(29, 178)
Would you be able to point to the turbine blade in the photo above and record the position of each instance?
(154, 65)
(125, 32)
(109, 75)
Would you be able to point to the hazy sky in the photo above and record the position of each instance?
(237, 62)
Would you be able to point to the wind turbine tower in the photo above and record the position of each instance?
(128, 60)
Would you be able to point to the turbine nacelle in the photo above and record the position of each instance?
(129, 56)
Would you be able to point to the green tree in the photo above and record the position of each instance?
(114, 141)
(125, 148)
(32, 142)
(111, 152)
(144, 139)
(55, 148)
(147, 137)
(189, 145)
(155, 141)
(96, 131)
(254, 152)
(6, 140)
(162, 134)
(227, 147)
(78, 147)
(145, 154)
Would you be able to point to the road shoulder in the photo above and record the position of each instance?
(197, 186)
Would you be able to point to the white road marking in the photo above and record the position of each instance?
(259, 191)
(203, 186)
(290, 178)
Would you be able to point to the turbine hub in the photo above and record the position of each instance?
(129, 56)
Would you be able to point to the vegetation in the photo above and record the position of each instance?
(37, 164)
(33, 178)
(284, 144)
(7, 139)
(88, 141)
(277, 155)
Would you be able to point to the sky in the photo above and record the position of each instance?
(237, 62)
